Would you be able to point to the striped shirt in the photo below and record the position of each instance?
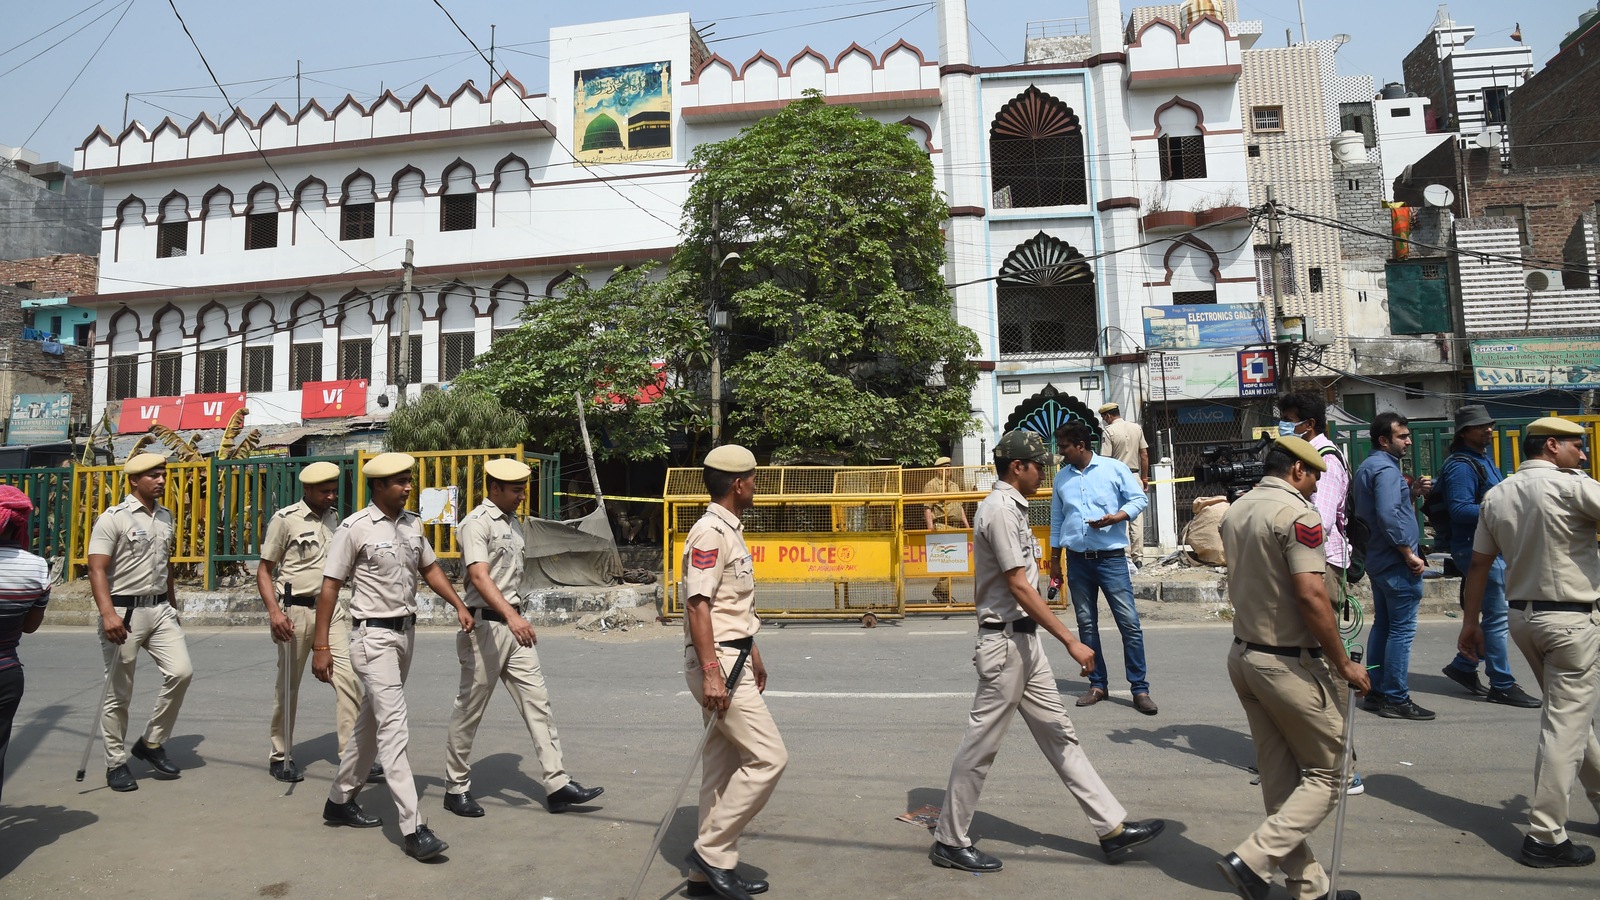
(24, 586)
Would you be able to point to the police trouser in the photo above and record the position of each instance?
(1014, 675)
(1563, 649)
(381, 658)
(346, 687)
(1295, 722)
(741, 764)
(156, 629)
(489, 653)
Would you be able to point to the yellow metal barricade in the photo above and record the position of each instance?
(437, 473)
(826, 541)
(97, 488)
(936, 562)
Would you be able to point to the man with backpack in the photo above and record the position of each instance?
(1453, 509)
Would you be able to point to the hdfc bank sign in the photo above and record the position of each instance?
(333, 399)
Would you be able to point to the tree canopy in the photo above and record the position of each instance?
(461, 418)
(843, 343)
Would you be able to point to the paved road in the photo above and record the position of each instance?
(871, 719)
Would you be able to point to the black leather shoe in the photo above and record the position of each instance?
(1408, 710)
(1540, 855)
(424, 844)
(462, 804)
(1132, 835)
(286, 771)
(574, 794)
(155, 756)
(704, 889)
(967, 859)
(348, 813)
(375, 775)
(1514, 696)
(119, 779)
(722, 882)
(1344, 895)
(1469, 681)
(1244, 880)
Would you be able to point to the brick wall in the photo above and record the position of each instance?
(1552, 115)
(26, 369)
(1421, 70)
(54, 276)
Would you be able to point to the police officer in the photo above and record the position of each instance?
(1014, 674)
(130, 575)
(289, 579)
(384, 548)
(1542, 520)
(744, 756)
(501, 646)
(1285, 652)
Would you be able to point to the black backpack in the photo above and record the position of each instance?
(1356, 530)
(1437, 512)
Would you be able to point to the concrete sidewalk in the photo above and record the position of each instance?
(871, 718)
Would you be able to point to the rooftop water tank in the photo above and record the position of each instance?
(1349, 148)
(1394, 90)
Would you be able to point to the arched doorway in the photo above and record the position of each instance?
(1048, 410)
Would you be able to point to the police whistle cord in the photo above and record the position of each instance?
(661, 830)
(1347, 763)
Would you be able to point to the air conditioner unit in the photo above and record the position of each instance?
(1542, 279)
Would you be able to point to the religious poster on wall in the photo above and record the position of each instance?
(622, 113)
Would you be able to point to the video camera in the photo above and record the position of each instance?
(1236, 467)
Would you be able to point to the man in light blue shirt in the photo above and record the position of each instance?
(1094, 497)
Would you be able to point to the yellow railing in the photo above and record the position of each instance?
(97, 488)
(441, 470)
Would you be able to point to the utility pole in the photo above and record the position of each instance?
(491, 57)
(404, 375)
(1275, 252)
(713, 320)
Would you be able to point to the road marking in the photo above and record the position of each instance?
(862, 695)
(920, 633)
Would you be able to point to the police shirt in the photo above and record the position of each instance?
(140, 544)
(1001, 541)
(297, 544)
(487, 535)
(947, 512)
(717, 564)
(1271, 534)
(384, 555)
(1122, 440)
(1542, 520)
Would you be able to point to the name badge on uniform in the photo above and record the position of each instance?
(138, 534)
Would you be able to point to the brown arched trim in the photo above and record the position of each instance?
(760, 56)
(1199, 114)
(919, 125)
(161, 208)
(200, 318)
(500, 167)
(789, 69)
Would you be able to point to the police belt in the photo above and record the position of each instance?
(291, 599)
(133, 601)
(1017, 626)
(485, 614)
(393, 623)
(744, 643)
(1552, 606)
(1292, 652)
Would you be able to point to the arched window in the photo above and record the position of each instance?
(310, 201)
(355, 336)
(1182, 142)
(305, 348)
(166, 376)
(407, 202)
(123, 379)
(510, 297)
(261, 219)
(130, 222)
(357, 212)
(172, 228)
(211, 363)
(1047, 299)
(1036, 153)
(457, 342)
(215, 218)
(512, 197)
(458, 199)
(259, 329)
(411, 371)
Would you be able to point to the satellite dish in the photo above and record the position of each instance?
(1438, 196)
(1488, 140)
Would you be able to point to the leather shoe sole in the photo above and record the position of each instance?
(704, 889)
(573, 794)
(1539, 855)
(1246, 882)
(1092, 696)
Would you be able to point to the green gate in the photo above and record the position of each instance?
(49, 528)
(246, 492)
(549, 474)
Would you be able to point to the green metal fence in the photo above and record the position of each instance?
(246, 492)
(549, 473)
(50, 526)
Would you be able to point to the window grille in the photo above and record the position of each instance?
(1183, 157)
(123, 380)
(211, 372)
(414, 373)
(357, 221)
(1047, 299)
(1285, 271)
(172, 239)
(305, 364)
(1036, 152)
(355, 359)
(258, 369)
(261, 231)
(167, 376)
(455, 354)
(458, 212)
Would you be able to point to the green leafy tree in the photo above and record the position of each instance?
(635, 348)
(460, 418)
(843, 343)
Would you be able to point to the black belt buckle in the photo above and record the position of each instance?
(1287, 652)
(744, 643)
(486, 614)
(393, 623)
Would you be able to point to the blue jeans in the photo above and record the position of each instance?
(1496, 630)
(1086, 579)
(1396, 597)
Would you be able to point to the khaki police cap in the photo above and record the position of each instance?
(1554, 426)
(385, 464)
(1301, 449)
(319, 473)
(144, 462)
(1022, 444)
(506, 469)
(1108, 408)
(731, 458)
(942, 461)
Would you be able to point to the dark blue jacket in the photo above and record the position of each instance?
(1382, 497)
(1460, 482)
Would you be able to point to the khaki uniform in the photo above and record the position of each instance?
(948, 515)
(380, 558)
(140, 544)
(1014, 675)
(1122, 440)
(1542, 520)
(745, 755)
(1288, 693)
(296, 544)
(489, 653)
